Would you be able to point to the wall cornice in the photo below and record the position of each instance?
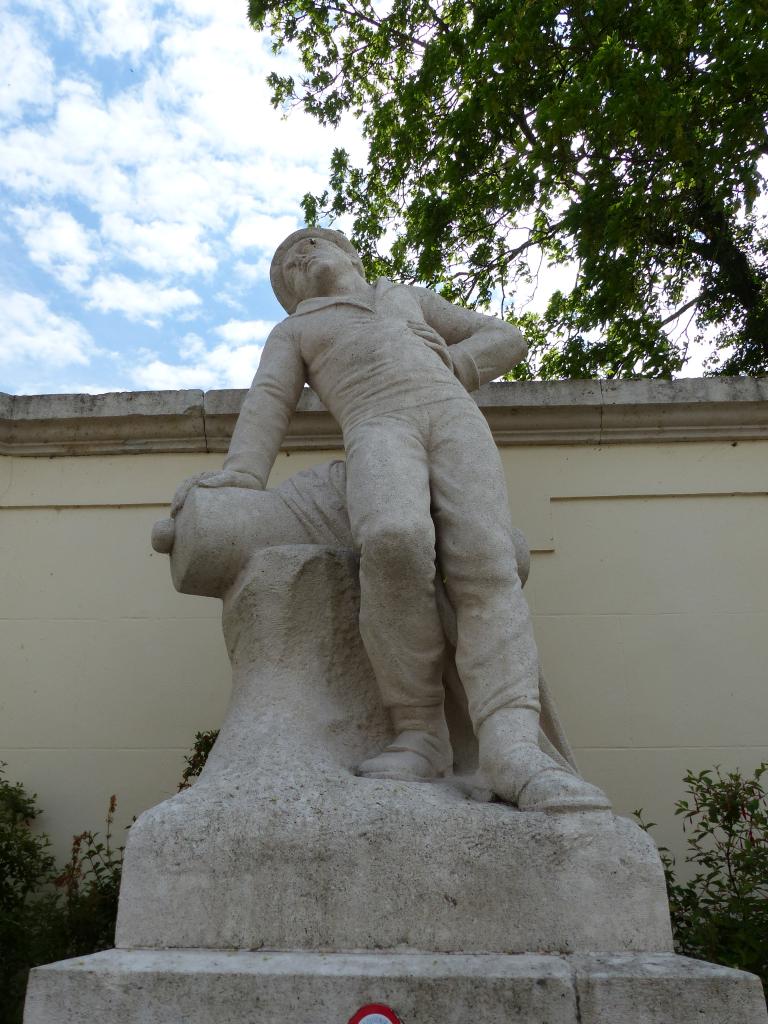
(535, 413)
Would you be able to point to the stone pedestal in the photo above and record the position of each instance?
(207, 987)
(337, 891)
(279, 845)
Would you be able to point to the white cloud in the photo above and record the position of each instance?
(112, 28)
(218, 64)
(175, 162)
(222, 366)
(195, 140)
(260, 231)
(56, 242)
(239, 331)
(162, 246)
(31, 332)
(75, 388)
(252, 272)
(57, 16)
(26, 71)
(139, 300)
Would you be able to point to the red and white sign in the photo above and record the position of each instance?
(374, 1013)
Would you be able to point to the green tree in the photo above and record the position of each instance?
(623, 136)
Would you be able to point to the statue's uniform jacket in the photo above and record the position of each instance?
(423, 478)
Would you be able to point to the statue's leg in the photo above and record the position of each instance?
(389, 511)
(496, 656)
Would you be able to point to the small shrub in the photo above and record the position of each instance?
(197, 757)
(25, 867)
(48, 915)
(90, 887)
(721, 914)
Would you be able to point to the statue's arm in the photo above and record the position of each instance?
(481, 347)
(262, 422)
(267, 408)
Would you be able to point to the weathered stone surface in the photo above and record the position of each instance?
(664, 989)
(534, 412)
(125, 421)
(426, 501)
(280, 845)
(260, 987)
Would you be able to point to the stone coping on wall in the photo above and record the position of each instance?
(531, 413)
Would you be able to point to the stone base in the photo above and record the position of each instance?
(210, 987)
(339, 864)
(279, 846)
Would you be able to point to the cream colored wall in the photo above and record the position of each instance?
(648, 588)
(650, 599)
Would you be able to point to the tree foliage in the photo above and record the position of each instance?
(623, 137)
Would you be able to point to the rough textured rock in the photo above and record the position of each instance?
(200, 987)
(280, 845)
(650, 989)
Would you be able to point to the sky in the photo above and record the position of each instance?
(145, 181)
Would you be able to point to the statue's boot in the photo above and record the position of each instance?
(420, 752)
(517, 769)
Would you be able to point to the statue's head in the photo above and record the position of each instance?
(303, 256)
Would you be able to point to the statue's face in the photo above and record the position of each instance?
(312, 267)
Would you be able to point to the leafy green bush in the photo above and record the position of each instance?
(198, 755)
(48, 915)
(90, 886)
(721, 914)
(25, 867)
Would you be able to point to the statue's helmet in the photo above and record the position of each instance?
(280, 287)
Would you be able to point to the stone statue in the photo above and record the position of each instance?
(309, 872)
(425, 502)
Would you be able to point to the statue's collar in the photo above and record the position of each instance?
(311, 305)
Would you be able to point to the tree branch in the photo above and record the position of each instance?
(679, 312)
(378, 24)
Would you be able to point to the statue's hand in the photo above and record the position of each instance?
(212, 478)
(434, 340)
